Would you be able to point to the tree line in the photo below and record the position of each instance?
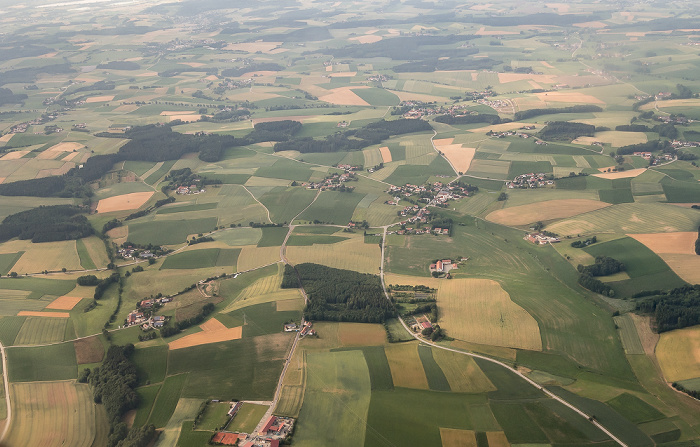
(340, 295)
(526, 114)
(354, 139)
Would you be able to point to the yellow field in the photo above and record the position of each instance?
(497, 439)
(343, 96)
(212, 332)
(392, 278)
(452, 437)
(14, 155)
(406, 367)
(352, 254)
(386, 154)
(614, 138)
(52, 414)
(264, 290)
(685, 266)
(289, 305)
(460, 157)
(31, 313)
(681, 243)
(66, 147)
(480, 311)
(678, 353)
(462, 372)
(621, 174)
(367, 38)
(252, 257)
(52, 256)
(104, 98)
(36, 331)
(123, 202)
(64, 303)
(574, 97)
(361, 334)
(547, 210)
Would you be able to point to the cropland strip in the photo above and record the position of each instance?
(212, 332)
(548, 210)
(386, 154)
(678, 353)
(30, 313)
(480, 311)
(64, 303)
(621, 174)
(123, 202)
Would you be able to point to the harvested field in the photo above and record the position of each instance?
(7, 137)
(100, 98)
(52, 414)
(343, 74)
(451, 437)
(669, 243)
(14, 155)
(64, 303)
(614, 138)
(386, 154)
(252, 257)
(443, 142)
(66, 147)
(123, 202)
(176, 112)
(573, 97)
(89, 350)
(213, 331)
(462, 372)
(678, 353)
(621, 174)
(344, 96)
(126, 108)
(349, 254)
(480, 311)
(505, 78)
(370, 38)
(459, 157)
(37, 331)
(685, 266)
(547, 210)
(361, 334)
(406, 367)
(497, 439)
(185, 118)
(29, 313)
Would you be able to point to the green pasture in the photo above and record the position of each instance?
(188, 208)
(167, 399)
(285, 169)
(150, 363)
(215, 416)
(7, 260)
(169, 232)
(147, 397)
(305, 240)
(248, 368)
(332, 207)
(9, 328)
(247, 418)
(285, 203)
(202, 258)
(239, 236)
(42, 363)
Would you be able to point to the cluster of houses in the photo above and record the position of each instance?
(436, 194)
(420, 109)
(540, 238)
(332, 182)
(422, 322)
(677, 144)
(495, 104)
(515, 133)
(131, 252)
(22, 127)
(232, 84)
(142, 315)
(531, 180)
(349, 168)
(306, 328)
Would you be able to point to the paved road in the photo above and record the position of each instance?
(488, 359)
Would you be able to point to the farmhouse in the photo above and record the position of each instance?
(539, 238)
(442, 266)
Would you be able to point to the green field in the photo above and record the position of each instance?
(150, 363)
(247, 418)
(7, 260)
(285, 203)
(9, 327)
(85, 260)
(169, 232)
(272, 236)
(188, 208)
(43, 363)
(332, 207)
(215, 416)
(202, 258)
(167, 399)
(232, 369)
(147, 396)
(239, 236)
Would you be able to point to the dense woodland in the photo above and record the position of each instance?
(355, 139)
(7, 97)
(340, 295)
(603, 266)
(673, 309)
(566, 131)
(113, 384)
(47, 224)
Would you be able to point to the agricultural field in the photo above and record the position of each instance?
(244, 140)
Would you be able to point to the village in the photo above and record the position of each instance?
(333, 182)
(531, 180)
(143, 314)
(420, 109)
(433, 194)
